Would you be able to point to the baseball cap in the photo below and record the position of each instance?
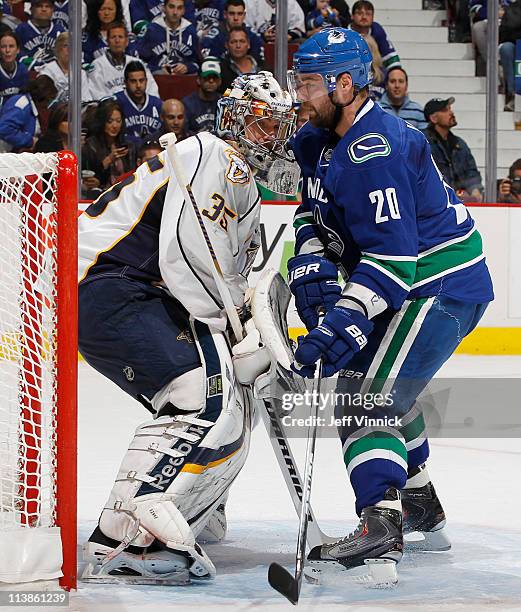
(210, 67)
(38, 1)
(435, 105)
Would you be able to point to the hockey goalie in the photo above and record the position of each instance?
(152, 321)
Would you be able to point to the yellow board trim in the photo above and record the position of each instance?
(482, 341)
(194, 468)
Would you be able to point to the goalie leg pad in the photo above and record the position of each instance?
(178, 468)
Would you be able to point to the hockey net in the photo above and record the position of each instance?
(38, 362)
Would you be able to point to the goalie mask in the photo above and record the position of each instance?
(257, 114)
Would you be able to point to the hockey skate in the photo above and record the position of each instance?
(368, 555)
(423, 520)
(108, 561)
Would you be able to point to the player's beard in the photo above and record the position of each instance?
(322, 113)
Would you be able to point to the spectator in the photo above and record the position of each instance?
(106, 76)
(214, 44)
(321, 16)
(362, 21)
(201, 105)
(238, 60)
(56, 136)
(106, 153)
(173, 118)
(260, 16)
(376, 87)
(207, 15)
(14, 75)
(20, 124)
(100, 15)
(58, 70)
(397, 102)
(510, 188)
(147, 151)
(509, 32)
(141, 111)
(170, 45)
(450, 152)
(459, 21)
(479, 26)
(38, 34)
(340, 6)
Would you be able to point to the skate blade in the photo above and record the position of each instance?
(426, 541)
(95, 573)
(374, 574)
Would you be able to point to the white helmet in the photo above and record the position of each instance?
(260, 96)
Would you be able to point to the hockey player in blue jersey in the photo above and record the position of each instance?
(170, 45)
(376, 208)
(142, 111)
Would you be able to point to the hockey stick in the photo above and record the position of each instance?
(279, 577)
(290, 471)
(168, 141)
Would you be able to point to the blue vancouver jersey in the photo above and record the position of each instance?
(140, 122)
(38, 44)
(199, 114)
(382, 212)
(11, 84)
(61, 12)
(162, 46)
(213, 44)
(207, 17)
(389, 54)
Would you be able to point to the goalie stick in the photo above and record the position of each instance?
(279, 577)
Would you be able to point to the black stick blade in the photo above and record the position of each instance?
(283, 582)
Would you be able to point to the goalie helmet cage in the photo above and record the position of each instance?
(38, 368)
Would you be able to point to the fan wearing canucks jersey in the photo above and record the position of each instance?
(151, 319)
(376, 208)
(142, 111)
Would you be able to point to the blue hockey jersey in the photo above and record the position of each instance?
(142, 12)
(11, 84)
(140, 122)
(161, 46)
(19, 122)
(381, 211)
(207, 17)
(61, 12)
(36, 44)
(199, 114)
(213, 44)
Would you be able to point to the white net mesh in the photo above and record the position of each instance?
(27, 340)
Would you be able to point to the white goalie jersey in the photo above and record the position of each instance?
(143, 229)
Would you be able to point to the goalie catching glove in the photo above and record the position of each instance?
(313, 280)
(342, 333)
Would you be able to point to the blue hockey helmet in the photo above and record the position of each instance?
(328, 54)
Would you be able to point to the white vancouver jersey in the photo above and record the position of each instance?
(105, 79)
(142, 228)
(259, 15)
(61, 80)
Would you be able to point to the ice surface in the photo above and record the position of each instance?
(478, 481)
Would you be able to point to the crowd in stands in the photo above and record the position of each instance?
(130, 46)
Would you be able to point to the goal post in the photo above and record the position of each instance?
(38, 368)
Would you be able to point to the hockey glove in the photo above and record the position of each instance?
(313, 280)
(342, 333)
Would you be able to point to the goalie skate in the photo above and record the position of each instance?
(155, 564)
(368, 555)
